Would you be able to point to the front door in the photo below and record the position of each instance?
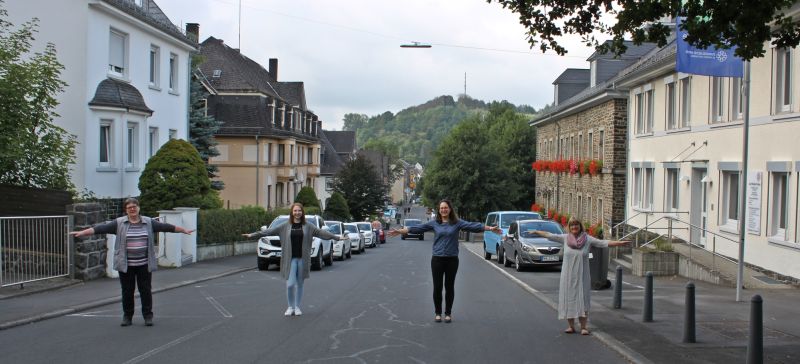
(699, 207)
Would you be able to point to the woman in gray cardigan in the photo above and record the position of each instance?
(296, 236)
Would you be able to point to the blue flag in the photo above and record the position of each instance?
(709, 62)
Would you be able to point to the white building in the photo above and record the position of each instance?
(126, 66)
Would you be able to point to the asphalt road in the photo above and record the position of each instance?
(373, 308)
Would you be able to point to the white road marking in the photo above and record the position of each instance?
(219, 307)
(172, 343)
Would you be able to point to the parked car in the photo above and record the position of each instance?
(341, 248)
(356, 237)
(410, 223)
(492, 242)
(525, 249)
(269, 247)
(369, 239)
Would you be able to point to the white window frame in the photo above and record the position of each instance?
(643, 184)
(737, 99)
(650, 107)
(672, 189)
(717, 99)
(174, 72)
(106, 131)
(639, 104)
(671, 102)
(783, 79)
(114, 69)
(636, 187)
(154, 72)
(590, 143)
(685, 90)
(152, 137)
(132, 145)
(173, 134)
(730, 198)
(779, 205)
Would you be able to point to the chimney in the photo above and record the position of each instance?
(193, 31)
(273, 68)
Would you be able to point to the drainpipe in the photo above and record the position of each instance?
(258, 165)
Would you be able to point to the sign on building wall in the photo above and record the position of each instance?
(754, 202)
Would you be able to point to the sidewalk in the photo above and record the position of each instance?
(44, 300)
(722, 324)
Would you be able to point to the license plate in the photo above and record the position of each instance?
(550, 258)
(278, 254)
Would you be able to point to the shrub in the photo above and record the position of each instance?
(308, 198)
(176, 177)
(337, 208)
(225, 226)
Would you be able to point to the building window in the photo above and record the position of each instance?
(780, 202)
(154, 58)
(173, 73)
(281, 154)
(686, 101)
(291, 154)
(106, 143)
(153, 142)
(737, 97)
(717, 99)
(132, 145)
(783, 80)
(310, 153)
(639, 113)
(269, 197)
(671, 189)
(730, 199)
(600, 210)
(672, 106)
(590, 143)
(602, 149)
(173, 134)
(643, 188)
(269, 153)
(589, 210)
(580, 146)
(117, 54)
(650, 98)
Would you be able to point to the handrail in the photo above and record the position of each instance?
(645, 212)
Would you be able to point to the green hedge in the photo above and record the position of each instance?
(226, 226)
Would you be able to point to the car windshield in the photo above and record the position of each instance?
(312, 220)
(507, 219)
(526, 229)
(278, 220)
(350, 229)
(365, 226)
(334, 228)
(411, 222)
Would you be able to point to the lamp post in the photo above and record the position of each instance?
(415, 45)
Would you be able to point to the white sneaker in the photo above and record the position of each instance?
(289, 311)
(297, 311)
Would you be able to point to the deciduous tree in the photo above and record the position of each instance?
(361, 186)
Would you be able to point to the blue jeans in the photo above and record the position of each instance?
(294, 285)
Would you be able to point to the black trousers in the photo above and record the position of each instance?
(137, 276)
(444, 271)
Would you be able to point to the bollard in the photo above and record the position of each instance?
(647, 312)
(688, 320)
(618, 288)
(755, 346)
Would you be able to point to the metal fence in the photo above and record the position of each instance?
(34, 248)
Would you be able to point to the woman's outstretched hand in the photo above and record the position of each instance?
(495, 229)
(395, 232)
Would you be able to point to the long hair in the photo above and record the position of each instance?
(452, 217)
(573, 221)
(291, 215)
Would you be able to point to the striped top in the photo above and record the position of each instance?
(136, 245)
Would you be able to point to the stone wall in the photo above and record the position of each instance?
(90, 252)
(562, 191)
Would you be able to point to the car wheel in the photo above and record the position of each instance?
(517, 264)
(349, 253)
(486, 254)
(363, 249)
(506, 262)
(263, 264)
(403, 237)
(329, 259)
(422, 237)
(317, 263)
(500, 258)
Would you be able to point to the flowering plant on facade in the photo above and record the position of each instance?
(573, 166)
(583, 167)
(564, 220)
(595, 230)
(550, 213)
(594, 167)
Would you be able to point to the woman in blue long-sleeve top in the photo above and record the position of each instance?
(444, 263)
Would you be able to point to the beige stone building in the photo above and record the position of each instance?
(269, 141)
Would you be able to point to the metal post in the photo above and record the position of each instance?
(689, 322)
(743, 181)
(647, 312)
(755, 346)
(618, 288)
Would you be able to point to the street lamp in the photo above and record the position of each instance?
(415, 45)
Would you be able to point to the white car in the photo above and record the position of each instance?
(269, 247)
(356, 237)
(366, 229)
(341, 248)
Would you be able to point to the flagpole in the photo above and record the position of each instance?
(743, 181)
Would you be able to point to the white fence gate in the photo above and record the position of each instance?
(34, 248)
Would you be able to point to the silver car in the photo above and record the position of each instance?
(357, 240)
(366, 229)
(523, 248)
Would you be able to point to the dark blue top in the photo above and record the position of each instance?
(445, 240)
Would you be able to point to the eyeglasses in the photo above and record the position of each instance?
(132, 207)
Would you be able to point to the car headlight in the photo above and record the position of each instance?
(528, 248)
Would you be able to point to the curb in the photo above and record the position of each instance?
(110, 300)
(616, 345)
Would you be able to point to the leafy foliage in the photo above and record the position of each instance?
(34, 151)
(337, 209)
(307, 197)
(360, 184)
(202, 126)
(746, 24)
(484, 164)
(176, 177)
(224, 226)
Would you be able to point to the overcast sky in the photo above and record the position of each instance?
(348, 54)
